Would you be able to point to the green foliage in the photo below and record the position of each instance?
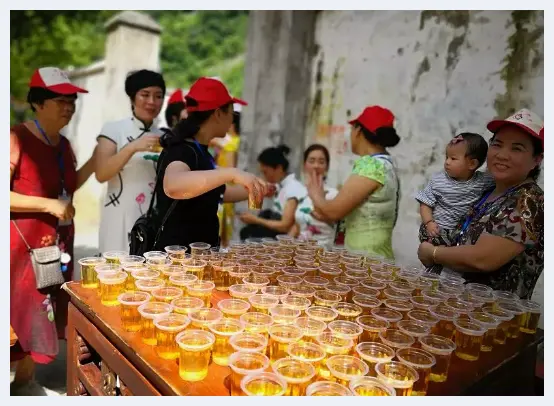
(194, 44)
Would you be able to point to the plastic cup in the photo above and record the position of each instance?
(172, 270)
(366, 303)
(176, 250)
(241, 291)
(233, 308)
(203, 317)
(490, 323)
(302, 291)
(460, 307)
(420, 285)
(287, 281)
(529, 322)
(130, 316)
(167, 327)
(450, 292)
(346, 329)
(413, 329)
(327, 299)
(431, 277)
(442, 349)
(347, 281)
(364, 291)
(505, 296)
(256, 322)
(256, 281)
(333, 345)
(423, 303)
(88, 273)
(131, 260)
(401, 286)
(374, 353)
(475, 301)
(347, 311)
(145, 274)
(278, 292)
(296, 303)
(344, 368)
(158, 265)
(186, 305)
(149, 285)
(422, 361)
(262, 304)
(512, 307)
(370, 386)
(195, 267)
(183, 281)
(398, 375)
(113, 257)
(148, 312)
(112, 284)
(388, 315)
(505, 319)
(237, 274)
(223, 330)
(131, 268)
(325, 388)
(433, 295)
(298, 375)
(249, 342)
(329, 272)
(423, 317)
(269, 272)
(468, 339)
(307, 352)
(263, 384)
(283, 314)
(401, 306)
(322, 313)
(396, 339)
(199, 249)
(202, 290)
(373, 284)
(280, 336)
(156, 257)
(371, 327)
(243, 364)
(446, 316)
(106, 268)
(310, 270)
(167, 294)
(194, 354)
(345, 292)
(311, 328)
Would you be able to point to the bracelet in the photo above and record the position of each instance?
(430, 221)
(434, 255)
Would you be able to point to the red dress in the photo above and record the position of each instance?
(38, 317)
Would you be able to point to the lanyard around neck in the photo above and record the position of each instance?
(204, 153)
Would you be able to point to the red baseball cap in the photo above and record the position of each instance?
(176, 97)
(525, 119)
(374, 117)
(210, 94)
(55, 80)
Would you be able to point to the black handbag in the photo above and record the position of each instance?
(147, 229)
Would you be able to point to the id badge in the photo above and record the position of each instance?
(66, 197)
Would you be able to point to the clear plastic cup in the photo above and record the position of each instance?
(199, 249)
(347, 311)
(401, 306)
(182, 281)
(249, 342)
(223, 330)
(468, 338)
(347, 281)
(131, 260)
(423, 317)
(431, 277)
(241, 291)
(322, 313)
(364, 291)
(195, 267)
(263, 384)
(371, 327)
(505, 319)
(281, 335)
(203, 317)
(423, 303)
(202, 290)
(422, 361)
(490, 323)
(176, 250)
(442, 349)
(148, 285)
(311, 328)
(459, 306)
(279, 292)
(111, 284)
(145, 274)
(345, 292)
(256, 322)
(373, 284)
(186, 305)
(346, 329)
(108, 267)
(366, 303)
(505, 296)
(256, 281)
(475, 301)
(420, 285)
(167, 294)
(446, 316)
(344, 368)
(194, 354)
(512, 307)
(433, 295)
(113, 257)
(298, 374)
(167, 327)
(333, 345)
(88, 273)
(398, 375)
(396, 339)
(477, 287)
(302, 291)
(262, 304)
(529, 322)
(401, 286)
(243, 364)
(374, 353)
(269, 272)
(156, 257)
(130, 316)
(327, 299)
(388, 315)
(296, 303)
(370, 386)
(413, 329)
(172, 270)
(329, 272)
(307, 352)
(233, 308)
(294, 271)
(149, 311)
(325, 388)
(283, 314)
(309, 268)
(287, 281)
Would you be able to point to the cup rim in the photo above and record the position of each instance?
(242, 355)
(396, 383)
(361, 380)
(166, 307)
(210, 339)
(424, 341)
(253, 336)
(337, 387)
(289, 360)
(416, 365)
(184, 322)
(383, 347)
(121, 298)
(342, 359)
(264, 375)
(313, 346)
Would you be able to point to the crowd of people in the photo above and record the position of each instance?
(487, 225)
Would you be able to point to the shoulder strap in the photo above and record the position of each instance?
(21, 235)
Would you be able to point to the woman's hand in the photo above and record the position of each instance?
(248, 218)
(314, 185)
(145, 143)
(425, 253)
(252, 183)
(61, 209)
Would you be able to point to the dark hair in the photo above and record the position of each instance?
(190, 126)
(236, 121)
(476, 147)
(383, 136)
(173, 110)
(538, 149)
(317, 147)
(142, 79)
(274, 157)
(38, 95)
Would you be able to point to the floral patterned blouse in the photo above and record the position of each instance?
(519, 216)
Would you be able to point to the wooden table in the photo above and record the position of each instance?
(99, 350)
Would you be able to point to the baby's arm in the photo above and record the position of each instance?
(427, 201)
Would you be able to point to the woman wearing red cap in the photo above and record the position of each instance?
(127, 149)
(368, 199)
(175, 109)
(43, 180)
(190, 176)
(500, 243)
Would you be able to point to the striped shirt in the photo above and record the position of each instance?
(451, 199)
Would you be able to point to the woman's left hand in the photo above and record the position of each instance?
(314, 185)
(248, 218)
(425, 253)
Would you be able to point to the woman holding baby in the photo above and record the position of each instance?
(500, 241)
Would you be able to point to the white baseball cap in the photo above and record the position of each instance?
(525, 119)
(55, 80)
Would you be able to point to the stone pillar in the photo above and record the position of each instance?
(280, 48)
(132, 43)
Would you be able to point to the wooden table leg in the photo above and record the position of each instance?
(72, 354)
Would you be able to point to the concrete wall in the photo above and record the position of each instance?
(439, 72)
